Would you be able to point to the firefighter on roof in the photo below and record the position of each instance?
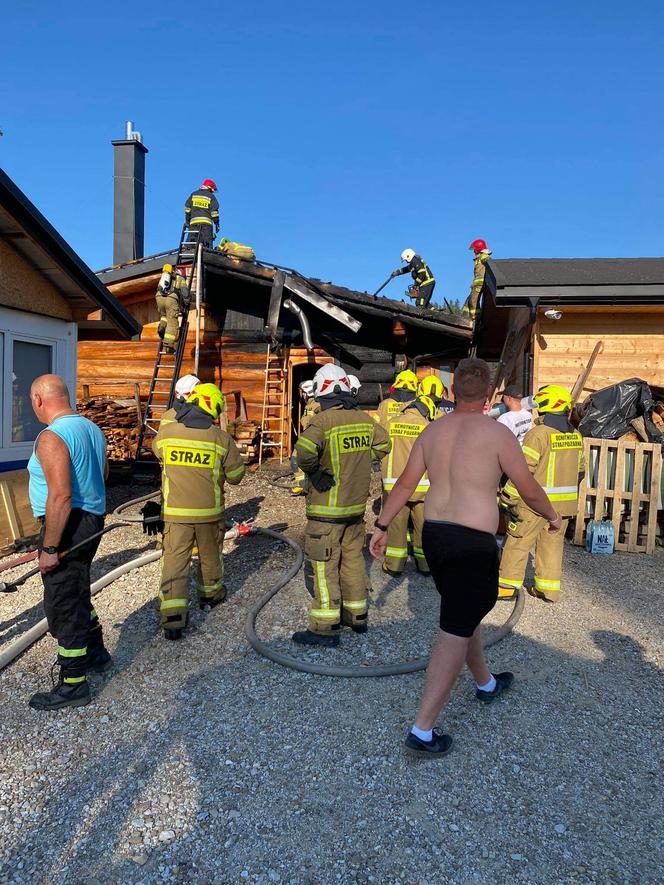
(201, 212)
(554, 452)
(196, 459)
(482, 255)
(335, 452)
(424, 283)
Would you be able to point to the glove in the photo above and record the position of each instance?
(321, 480)
(149, 512)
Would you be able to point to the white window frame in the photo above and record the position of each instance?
(61, 337)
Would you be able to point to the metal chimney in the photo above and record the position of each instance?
(128, 196)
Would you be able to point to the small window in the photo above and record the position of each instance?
(29, 361)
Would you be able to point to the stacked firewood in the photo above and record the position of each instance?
(118, 420)
(245, 434)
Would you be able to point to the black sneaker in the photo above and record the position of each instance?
(438, 746)
(308, 637)
(503, 682)
(99, 660)
(62, 695)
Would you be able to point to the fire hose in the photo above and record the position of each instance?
(259, 645)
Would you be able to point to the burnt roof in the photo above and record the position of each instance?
(37, 241)
(576, 280)
(263, 273)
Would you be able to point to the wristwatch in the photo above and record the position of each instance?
(49, 550)
(380, 526)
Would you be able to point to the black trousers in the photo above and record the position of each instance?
(205, 234)
(71, 617)
(424, 294)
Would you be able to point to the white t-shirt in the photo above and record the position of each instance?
(518, 422)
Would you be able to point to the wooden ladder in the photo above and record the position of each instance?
(275, 401)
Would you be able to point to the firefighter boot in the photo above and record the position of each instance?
(69, 691)
(99, 660)
(210, 600)
(175, 632)
(308, 637)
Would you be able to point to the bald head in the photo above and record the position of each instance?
(50, 397)
(49, 387)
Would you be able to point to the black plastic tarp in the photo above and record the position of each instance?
(607, 414)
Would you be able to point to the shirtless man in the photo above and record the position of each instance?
(464, 456)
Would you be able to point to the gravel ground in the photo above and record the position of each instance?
(201, 762)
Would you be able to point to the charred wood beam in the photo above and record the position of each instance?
(298, 287)
(276, 297)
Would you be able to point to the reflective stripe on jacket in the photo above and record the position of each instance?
(403, 430)
(390, 407)
(420, 272)
(202, 207)
(342, 442)
(195, 463)
(556, 460)
(479, 270)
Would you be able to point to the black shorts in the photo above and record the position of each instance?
(464, 564)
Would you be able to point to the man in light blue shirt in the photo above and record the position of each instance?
(68, 495)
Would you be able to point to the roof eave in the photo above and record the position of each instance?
(42, 232)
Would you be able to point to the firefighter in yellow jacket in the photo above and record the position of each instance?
(310, 408)
(335, 452)
(173, 300)
(482, 254)
(196, 459)
(554, 452)
(403, 431)
(404, 390)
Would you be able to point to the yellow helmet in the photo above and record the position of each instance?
(553, 399)
(430, 404)
(431, 385)
(209, 398)
(406, 379)
(167, 268)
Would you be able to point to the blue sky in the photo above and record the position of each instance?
(341, 133)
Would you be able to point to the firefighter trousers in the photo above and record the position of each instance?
(206, 233)
(532, 531)
(179, 540)
(335, 574)
(169, 315)
(396, 554)
(423, 294)
(71, 618)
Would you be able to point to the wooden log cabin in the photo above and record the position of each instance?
(262, 330)
(541, 320)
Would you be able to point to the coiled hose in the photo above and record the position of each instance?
(38, 630)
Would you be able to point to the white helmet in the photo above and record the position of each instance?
(355, 384)
(185, 386)
(307, 388)
(407, 255)
(330, 379)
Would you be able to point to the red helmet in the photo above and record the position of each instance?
(209, 183)
(478, 246)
